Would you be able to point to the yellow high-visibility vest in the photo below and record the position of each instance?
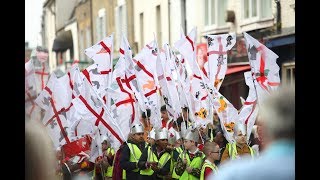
(211, 166)
(232, 148)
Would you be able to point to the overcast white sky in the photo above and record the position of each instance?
(33, 10)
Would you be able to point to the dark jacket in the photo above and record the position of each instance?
(162, 172)
(126, 164)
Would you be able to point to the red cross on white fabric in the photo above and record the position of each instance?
(30, 98)
(219, 52)
(42, 73)
(56, 114)
(99, 118)
(130, 100)
(262, 77)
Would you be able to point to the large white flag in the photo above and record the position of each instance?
(145, 69)
(200, 107)
(90, 106)
(96, 147)
(31, 109)
(216, 66)
(263, 66)
(249, 110)
(101, 53)
(97, 79)
(169, 70)
(54, 99)
(39, 59)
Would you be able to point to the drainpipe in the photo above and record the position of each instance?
(91, 22)
(169, 4)
(278, 25)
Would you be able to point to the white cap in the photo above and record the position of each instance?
(152, 134)
(190, 134)
(173, 136)
(239, 127)
(137, 128)
(162, 134)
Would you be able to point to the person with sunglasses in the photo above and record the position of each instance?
(212, 152)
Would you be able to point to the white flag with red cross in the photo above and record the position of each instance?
(96, 146)
(145, 70)
(249, 110)
(130, 77)
(97, 79)
(123, 111)
(81, 128)
(183, 83)
(264, 67)
(43, 100)
(120, 89)
(39, 59)
(89, 105)
(54, 99)
(163, 79)
(200, 108)
(216, 66)
(169, 70)
(101, 53)
(31, 109)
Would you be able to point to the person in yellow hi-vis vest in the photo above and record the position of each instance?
(102, 164)
(240, 147)
(189, 162)
(211, 150)
(151, 137)
(155, 160)
(108, 155)
(131, 152)
(175, 144)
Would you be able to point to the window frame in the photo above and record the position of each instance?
(285, 67)
(218, 26)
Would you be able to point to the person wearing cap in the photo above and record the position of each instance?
(211, 150)
(155, 160)
(151, 137)
(175, 145)
(240, 146)
(103, 164)
(108, 156)
(131, 152)
(189, 162)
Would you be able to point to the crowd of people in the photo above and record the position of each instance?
(179, 151)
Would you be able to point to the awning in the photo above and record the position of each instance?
(235, 69)
(63, 41)
(281, 41)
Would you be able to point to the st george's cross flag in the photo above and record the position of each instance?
(216, 66)
(249, 111)
(264, 67)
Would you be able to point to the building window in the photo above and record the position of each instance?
(215, 11)
(288, 73)
(158, 20)
(141, 30)
(256, 9)
(121, 23)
